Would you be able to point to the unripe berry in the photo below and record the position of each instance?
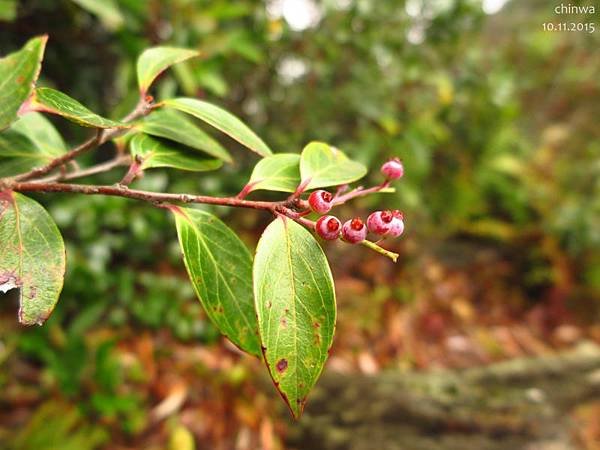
(354, 231)
(379, 221)
(320, 201)
(396, 227)
(328, 227)
(393, 169)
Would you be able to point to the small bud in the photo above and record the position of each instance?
(396, 227)
(320, 201)
(354, 231)
(393, 169)
(379, 221)
(328, 227)
(149, 99)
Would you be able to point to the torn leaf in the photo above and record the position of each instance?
(32, 256)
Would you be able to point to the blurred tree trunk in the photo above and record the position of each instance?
(519, 404)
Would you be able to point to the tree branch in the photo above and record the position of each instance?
(159, 198)
(147, 196)
(288, 208)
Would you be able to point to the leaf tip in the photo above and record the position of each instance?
(39, 320)
(30, 317)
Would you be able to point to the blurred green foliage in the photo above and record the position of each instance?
(495, 119)
(57, 425)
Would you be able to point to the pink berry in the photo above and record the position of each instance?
(379, 221)
(396, 227)
(393, 169)
(320, 201)
(328, 227)
(354, 231)
(397, 213)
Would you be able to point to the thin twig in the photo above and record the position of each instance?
(341, 189)
(101, 136)
(134, 171)
(359, 192)
(299, 190)
(70, 155)
(122, 160)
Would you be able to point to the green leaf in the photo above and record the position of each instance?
(212, 80)
(55, 102)
(155, 60)
(279, 172)
(18, 154)
(153, 153)
(178, 127)
(40, 131)
(295, 305)
(18, 74)
(326, 166)
(107, 11)
(8, 10)
(32, 256)
(220, 268)
(186, 78)
(222, 120)
(32, 141)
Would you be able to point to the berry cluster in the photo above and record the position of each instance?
(382, 223)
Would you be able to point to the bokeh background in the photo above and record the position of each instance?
(496, 120)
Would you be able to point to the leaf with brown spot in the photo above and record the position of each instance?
(32, 256)
(213, 254)
(281, 365)
(293, 290)
(18, 74)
